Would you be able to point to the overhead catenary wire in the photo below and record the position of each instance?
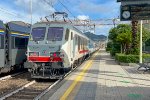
(10, 13)
(50, 4)
(67, 9)
(80, 21)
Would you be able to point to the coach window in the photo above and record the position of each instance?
(20, 42)
(76, 39)
(86, 43)
(71, 35)
(67, 34)
(78, 43)
(82, 43)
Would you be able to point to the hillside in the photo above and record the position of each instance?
(95, 37)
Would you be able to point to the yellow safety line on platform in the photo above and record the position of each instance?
(78, 78)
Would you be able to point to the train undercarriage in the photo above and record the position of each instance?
(50, 70)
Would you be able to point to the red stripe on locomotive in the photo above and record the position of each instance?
(83, 51)
(44, 59)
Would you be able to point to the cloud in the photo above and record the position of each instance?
(39, 7)
(8, 14)
(103, 30)
(109, 9)
(20, 10)
(82, 17)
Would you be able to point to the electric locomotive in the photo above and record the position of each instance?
(55, 47)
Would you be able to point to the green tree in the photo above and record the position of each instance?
(121, 36)
(113, 34)
(115, 46)
(124, 37)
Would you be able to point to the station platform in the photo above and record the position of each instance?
(101, 78)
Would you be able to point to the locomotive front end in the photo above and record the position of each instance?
(45, 56)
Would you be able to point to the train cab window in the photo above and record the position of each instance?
(67, 34)
(20, 42)
(55, 33)
(38, 33)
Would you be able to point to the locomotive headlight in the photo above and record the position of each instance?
(51, 54)
(54, 54)
(57, 54)
(33, 53)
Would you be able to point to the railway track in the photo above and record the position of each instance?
(31, 90)
(28, 91)
(8, 84)
(10, 76)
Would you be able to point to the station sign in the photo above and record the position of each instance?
(135, 12)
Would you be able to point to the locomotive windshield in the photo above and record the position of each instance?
(38, 33)
(55, 34)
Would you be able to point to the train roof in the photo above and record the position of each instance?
(19, 26)
(53, 22)
(1, 25)
(62, 23)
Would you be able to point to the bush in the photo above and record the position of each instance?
(109, 46)
(115, 49)
(113, 52)
(146, 56)
(108, 49)
(129, 58)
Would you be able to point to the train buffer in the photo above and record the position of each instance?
(101, 78)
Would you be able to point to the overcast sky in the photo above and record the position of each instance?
(83, 9)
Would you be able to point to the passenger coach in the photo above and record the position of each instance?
(2, 45)
(14, 39)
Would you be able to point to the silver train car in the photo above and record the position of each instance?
(55, 47)
(13, 45)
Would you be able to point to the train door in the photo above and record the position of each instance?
(2, 48)
(71, 46)
(74, 45)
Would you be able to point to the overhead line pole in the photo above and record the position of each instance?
(31, 10)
